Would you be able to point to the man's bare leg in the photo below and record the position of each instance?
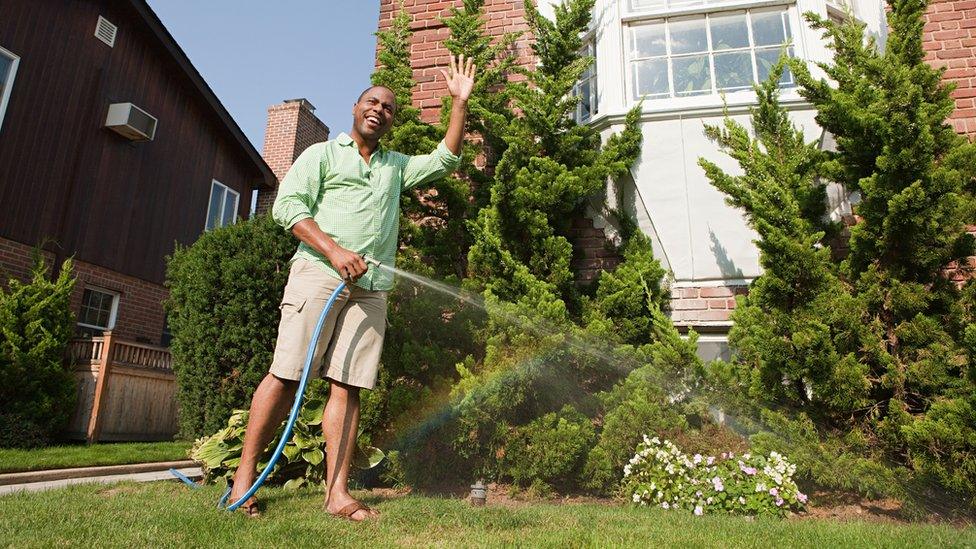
(269, 406)
(340, 424)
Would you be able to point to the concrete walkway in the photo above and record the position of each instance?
(36, 481)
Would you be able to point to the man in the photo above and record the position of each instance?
(341, 199)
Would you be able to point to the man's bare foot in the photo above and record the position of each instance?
(345, 506)
(238, 489)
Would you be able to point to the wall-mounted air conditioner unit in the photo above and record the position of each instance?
(131, 122)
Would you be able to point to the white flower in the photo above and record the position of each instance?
(742, 500)
(636, 498)
(664, 505)
(697, 459)
(761, 487)
(698, 510)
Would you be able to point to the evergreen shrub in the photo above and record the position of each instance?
(37, 386)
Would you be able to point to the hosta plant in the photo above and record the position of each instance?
(661, 474)
(302, 460)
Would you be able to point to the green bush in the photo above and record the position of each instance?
(550, 449)
(225, 290)
(37, 387)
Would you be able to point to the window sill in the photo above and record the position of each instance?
(705, 105)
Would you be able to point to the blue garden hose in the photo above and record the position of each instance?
(299, 395)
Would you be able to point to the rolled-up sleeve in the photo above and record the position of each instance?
(425, 168)
(300, 188)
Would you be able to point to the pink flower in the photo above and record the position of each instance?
(774, 492)
(801, 497)
(779, 502)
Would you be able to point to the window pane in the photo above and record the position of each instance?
(594, 100)
(733, 70)
(651, 77)
(96, 308)
(768, 28)
(5, 64)
(230, 208)
(765, 59)
(216, 200)
(688, 36)
(649, 41)
(692, 75)
(729, 31)
(585, 100)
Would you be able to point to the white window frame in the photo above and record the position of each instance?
(589, 49)
(9, 83)
(675, 8)
(113, 313)
(714, 93)
(220, 218)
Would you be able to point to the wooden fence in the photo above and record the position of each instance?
(126, 390)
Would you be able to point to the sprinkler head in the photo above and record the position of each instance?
(479, 493)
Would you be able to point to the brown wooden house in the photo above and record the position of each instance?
(112, 149)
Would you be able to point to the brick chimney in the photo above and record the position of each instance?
(292, 127)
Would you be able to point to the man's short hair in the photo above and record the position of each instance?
(371, 88)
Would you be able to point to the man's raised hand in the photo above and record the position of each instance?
(460, 77)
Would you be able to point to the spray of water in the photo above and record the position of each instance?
(598, 350)
(438, 411)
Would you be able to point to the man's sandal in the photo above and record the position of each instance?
(250, 508)
(349, 510)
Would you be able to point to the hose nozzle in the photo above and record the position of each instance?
(372, 261)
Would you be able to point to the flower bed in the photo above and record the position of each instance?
(661, 474)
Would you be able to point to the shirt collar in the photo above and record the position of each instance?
(346, 141)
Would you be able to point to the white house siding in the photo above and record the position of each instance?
(705, 244)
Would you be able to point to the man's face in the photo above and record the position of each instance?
(372, 115)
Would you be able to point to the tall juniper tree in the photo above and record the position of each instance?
(876, 346)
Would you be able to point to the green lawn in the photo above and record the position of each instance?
(171, 515)
(80, 455)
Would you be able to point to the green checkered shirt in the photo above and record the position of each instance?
(358, 205)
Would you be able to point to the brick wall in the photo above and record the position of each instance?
(427, 51)
(140, 315)
(291, 128)
(950, 42)
(16, 260)
(704, 305)
(592, 252)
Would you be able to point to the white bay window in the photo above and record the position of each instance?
(720, 52)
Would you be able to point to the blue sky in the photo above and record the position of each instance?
(256, 54)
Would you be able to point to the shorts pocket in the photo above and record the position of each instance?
(292, 304)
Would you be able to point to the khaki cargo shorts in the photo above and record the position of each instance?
(352, 337)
